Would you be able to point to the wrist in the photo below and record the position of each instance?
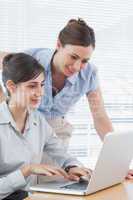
(26, 170)
(69, 167)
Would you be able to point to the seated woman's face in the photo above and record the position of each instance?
(28, 94)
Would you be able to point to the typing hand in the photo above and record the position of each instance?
(43, 169)
(79, 173)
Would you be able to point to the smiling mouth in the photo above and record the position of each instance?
(36, 100)
(71, 72)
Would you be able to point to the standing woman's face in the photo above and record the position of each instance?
(28, 94)
(73, 58)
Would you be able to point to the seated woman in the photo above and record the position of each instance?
(24, 133)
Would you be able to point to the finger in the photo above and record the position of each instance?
(89, 171)
(78, 172)
(63, 173)
(53, 171)
(74, 178)
(45, 170)
(41, 171)
(58, 171)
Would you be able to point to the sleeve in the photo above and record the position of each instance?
(11, 183)
(93, 80)
(55, 150)
(32, 51)
(39, 54)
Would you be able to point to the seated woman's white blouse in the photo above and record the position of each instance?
(17, 149)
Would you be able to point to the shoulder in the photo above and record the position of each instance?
(3, 111)
(39, 117)
(37, 51)
(4, 116)
(43, 55)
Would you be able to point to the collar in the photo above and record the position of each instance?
(49, 59)
(85, 71)
(72, 79)
(82, 73)
(6, 117)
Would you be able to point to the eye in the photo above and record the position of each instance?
(31, 86)
(42, 84)
(73, 57)
(84, 61)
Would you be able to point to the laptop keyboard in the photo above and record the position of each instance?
(77, 186)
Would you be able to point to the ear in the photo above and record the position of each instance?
(11, 86)
(58, 44)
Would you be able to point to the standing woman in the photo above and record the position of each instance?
(69, 76)
(24, 133)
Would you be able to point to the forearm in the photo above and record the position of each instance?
(11, 183)
(101, 120)
(102, 124)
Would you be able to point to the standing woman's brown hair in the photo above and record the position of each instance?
(77, 32)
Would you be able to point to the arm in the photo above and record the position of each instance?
(11, 183)
(72, 166)
(101, 120)
(56, 151)
(18, 179)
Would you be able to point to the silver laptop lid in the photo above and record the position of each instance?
(113, 162)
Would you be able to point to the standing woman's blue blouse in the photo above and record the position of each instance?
(75, 87)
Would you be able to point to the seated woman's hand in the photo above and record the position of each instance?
(43, 169)
(75, 173)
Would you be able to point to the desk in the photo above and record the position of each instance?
(119, 192)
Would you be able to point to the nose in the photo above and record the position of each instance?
(77, 65)
(39, 91)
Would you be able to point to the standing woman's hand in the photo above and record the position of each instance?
(129, 176)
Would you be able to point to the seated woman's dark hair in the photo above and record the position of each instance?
(20, 67)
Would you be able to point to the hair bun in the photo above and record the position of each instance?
(81, 22)
(72, 21)
(78, 21)
(7, 59)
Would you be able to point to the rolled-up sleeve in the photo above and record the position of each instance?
(93, 80)
(11, 183)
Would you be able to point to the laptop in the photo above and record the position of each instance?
(111, 168)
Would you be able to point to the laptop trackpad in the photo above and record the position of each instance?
(80, 185)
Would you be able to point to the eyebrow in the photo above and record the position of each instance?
(79, 56)
(34, 82)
